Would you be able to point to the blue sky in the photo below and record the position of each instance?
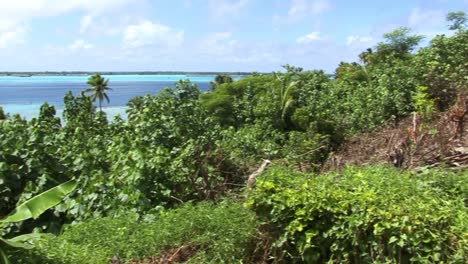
(203, 35)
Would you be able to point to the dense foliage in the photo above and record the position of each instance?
(373, 215)
(222, 233)
(184, 145)
(32, 208)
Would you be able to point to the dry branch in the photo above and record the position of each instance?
(252, 178)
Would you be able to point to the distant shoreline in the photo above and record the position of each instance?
(85, 73)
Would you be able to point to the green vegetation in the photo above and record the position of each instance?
(220, 79)
(32, 208)
(2, 114)
(209, 233)
(153, 186)
(458, 20)
(98, 89)
(371, 215)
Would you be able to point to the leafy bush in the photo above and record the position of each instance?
(181, 145)
(233, 104)
(250, 143)
(165, 153)
(442, 67)
(370, 215)
(216, 233)
(422, 104)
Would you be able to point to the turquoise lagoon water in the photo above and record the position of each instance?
(25, 95)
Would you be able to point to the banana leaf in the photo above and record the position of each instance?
(24, 241)
(6, 242)
(40, 203)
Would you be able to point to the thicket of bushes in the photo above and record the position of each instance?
(208, 232)
(181, 145)
(369, 215)
(374, 214)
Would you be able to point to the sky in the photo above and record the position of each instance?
(204, 35)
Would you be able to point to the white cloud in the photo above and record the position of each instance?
(351, 40)
(219, 43)
(302, 8)
(21, 9)
(298, 10)
(16, 13)
(79, 44)
(227, 8)
(223, 49)
(12, 36)
(147, 33)
(258, 54)
(309, 38)
(106, 24)
(85, 23)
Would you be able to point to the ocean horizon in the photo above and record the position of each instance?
(25, 95)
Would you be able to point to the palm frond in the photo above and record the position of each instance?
(107, 98)
(287, 94)
(90, 89)
(287, 107)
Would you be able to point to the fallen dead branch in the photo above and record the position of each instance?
(252, 178)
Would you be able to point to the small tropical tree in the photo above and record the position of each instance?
(398, 43)
(223, 78)
(32, 208)
(220, 79)
(98, 89)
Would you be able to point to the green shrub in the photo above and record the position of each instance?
(250, 143)
(442, 68)
(422, 104)
(220, 233)
(370, 215)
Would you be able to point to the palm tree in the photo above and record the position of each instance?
(98, 88)
(288, 96)
(220, 79)
(223, 78)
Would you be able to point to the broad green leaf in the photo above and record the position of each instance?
(16, 244)
(27, 240)
(37, 205)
